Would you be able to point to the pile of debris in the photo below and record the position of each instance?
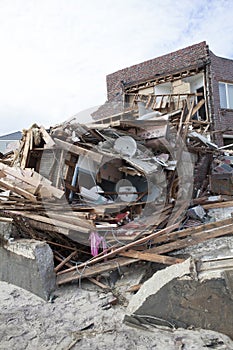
(131, 187)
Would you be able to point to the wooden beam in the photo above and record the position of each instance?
(66, 260)
(98, 283)
(186, 123)
(20, 175)
(26, 149)
(191, 230)
(74, 220)
(18, 190)
(198, 106)
(47, 138)
(134, 288)
(193, 239)
(78, 150)
(38, 182)
(45, 227)
(116, 251)
(93, 270)
(161, 259)
(55, 222)
(218, 205)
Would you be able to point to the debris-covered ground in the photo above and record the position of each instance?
(28, 322)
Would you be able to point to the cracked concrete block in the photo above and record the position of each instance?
(174, 295)
(28, 264)
(156, 282)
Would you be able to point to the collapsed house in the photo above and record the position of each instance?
(163, 81)
(139, 185)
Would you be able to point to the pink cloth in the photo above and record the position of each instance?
(96, 240)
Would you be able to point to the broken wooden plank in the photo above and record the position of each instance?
(66, 260)
(72, 219)
(198, 106)
(191, 230)
(98, 283)
(183, 113)
(49, 143)
(215, 264)
(5, 219)
(161, 259)
(116, 251)
(82, 272)
(78, 150)
(178, 214)
(186, 122)
(26, 149)
(55, 222)
(19, 174)
(218, 205)
(45, 227)
(57, 257)
(193, 239)
(134, 288)
(18, 190)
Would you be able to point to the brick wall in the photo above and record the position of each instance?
(174, 61)
(221, 70)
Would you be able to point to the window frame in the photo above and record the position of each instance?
(226, 84)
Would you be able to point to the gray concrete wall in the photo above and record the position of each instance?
(27, 263)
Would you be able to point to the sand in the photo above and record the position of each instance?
(29, 323)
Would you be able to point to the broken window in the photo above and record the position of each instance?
(226, 95)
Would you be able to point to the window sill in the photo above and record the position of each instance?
(226, 109)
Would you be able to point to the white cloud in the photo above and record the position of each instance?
(55, 54)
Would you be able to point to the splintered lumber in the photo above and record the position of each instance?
(78, 150)
(18, 190)
(116, 251)
(194, 239)
(19, 174)
(42, 226)
(26, 149)
(161, 259)
(4, 219)
(134, 288)
(57, 257)
(186, 123)
(77, 273)
(32, 178)
(190, 231)
(65, 261)
(74, 220)
(181, 120)
(55, 222)
(218, 205)
(50, 191)
(198, 106)
(98, 283)
(47, 138)
(178, 213)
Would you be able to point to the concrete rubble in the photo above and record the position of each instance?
(27, 263)
(82, 201)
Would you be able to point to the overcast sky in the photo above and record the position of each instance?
(55, 54)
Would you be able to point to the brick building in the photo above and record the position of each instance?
(194, 70)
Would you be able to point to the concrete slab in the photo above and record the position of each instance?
(29, 265)
(156, 282)
(176, 296)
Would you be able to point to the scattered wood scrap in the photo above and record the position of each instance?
(122, 190)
